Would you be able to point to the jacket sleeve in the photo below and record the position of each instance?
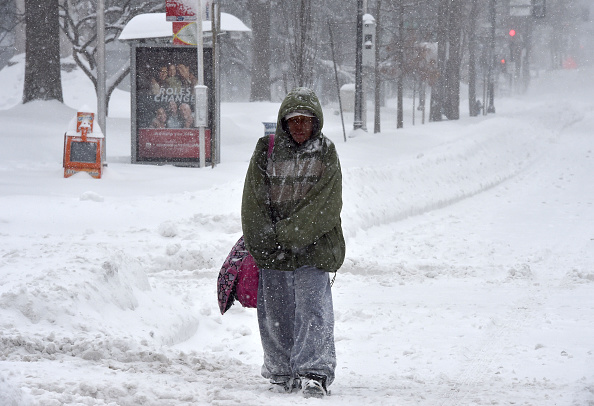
(256, 221)
(319, 212)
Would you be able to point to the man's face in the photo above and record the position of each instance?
(301, 128)
(161, 115)
(184, 71)
(173, 107)
(163, 73)
(186, 111)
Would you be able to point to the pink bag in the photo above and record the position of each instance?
(239, 275)
(238, 279)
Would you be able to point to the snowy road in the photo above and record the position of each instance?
(469, 277)
(493, 301)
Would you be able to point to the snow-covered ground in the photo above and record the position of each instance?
(469, 277)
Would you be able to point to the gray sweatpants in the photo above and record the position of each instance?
(296, 320)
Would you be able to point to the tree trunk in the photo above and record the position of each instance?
(260, 13)
(378, 81)
(472, 42)
(400, 80)
(526, 61)
(452, 105)
(422, 90)
(42, 60)
(302, 26)
(438, 91)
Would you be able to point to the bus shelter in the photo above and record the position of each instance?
(163, 72)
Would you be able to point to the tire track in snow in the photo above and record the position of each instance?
(493, 152)
(438, 178)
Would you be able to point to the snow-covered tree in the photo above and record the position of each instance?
(277, 58)
(299, 43)
(78, 21)
(9, 18)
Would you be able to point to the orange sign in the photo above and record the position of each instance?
(82, 154)
(84, 120)
(82, 148)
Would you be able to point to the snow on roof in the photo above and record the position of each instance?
(155, 25)
(368, 19)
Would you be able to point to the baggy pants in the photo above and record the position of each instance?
(296, 320)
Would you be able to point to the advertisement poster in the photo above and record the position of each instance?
(165, 103)
(184, 33)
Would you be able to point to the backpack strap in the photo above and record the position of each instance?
(270, 144)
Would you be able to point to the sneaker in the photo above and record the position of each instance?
(314, 386)
(286, 386)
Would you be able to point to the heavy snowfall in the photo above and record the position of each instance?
(469, 277)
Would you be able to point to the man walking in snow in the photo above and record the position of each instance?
(290, 213)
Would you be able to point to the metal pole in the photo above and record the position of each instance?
(101, 74)
(358, 120)
(217, 56)
(200, 74)
(214, 126)
(336, 78)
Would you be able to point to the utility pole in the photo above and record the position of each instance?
(358, 120)
(101, 74)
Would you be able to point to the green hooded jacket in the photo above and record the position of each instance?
(292, 200)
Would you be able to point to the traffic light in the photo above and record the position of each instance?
(502, 65)
(512, 33)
